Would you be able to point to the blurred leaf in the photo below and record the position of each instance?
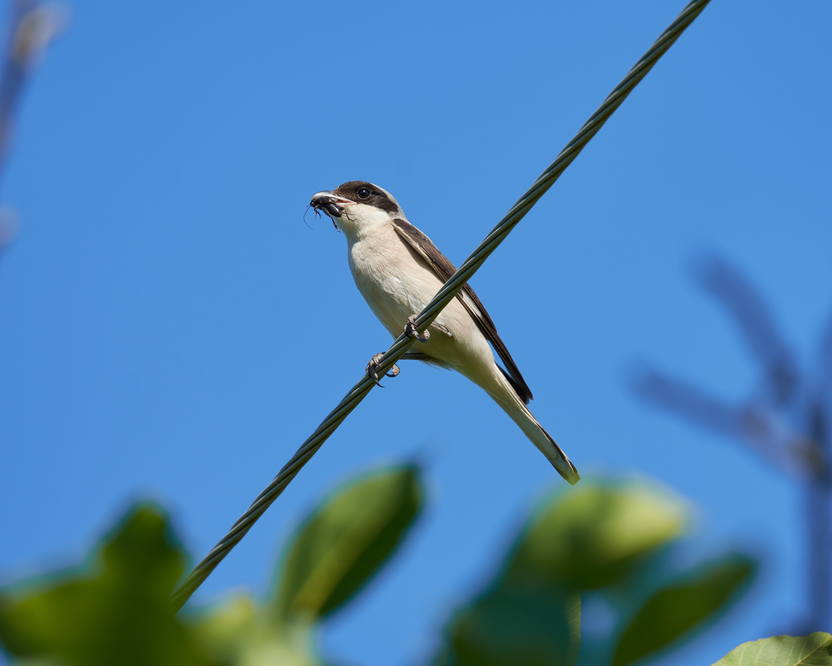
(515, 625)
(595, 535)
(227, 626)
(240, 633)
(676, 609)
(120, 614)
(142, 552)
(36, 623)
(345, 542)
(812, 650)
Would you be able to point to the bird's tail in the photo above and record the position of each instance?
(505, 396)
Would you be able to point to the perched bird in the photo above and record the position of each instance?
(398, 270)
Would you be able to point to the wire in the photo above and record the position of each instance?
(442, 298)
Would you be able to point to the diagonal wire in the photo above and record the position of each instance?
(442, 298)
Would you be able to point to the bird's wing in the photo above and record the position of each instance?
(424, 248)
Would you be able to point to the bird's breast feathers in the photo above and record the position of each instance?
(392, 281)
(397, 284)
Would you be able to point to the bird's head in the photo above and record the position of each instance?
(357, 206)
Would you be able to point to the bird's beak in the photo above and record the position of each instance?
(329, 203)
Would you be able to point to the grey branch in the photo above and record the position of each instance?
(757, 327)
(825, 358)
(739, 422)
(32, 26)
(789, 425)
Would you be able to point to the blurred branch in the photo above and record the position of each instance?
(751, 316)
(691, 404)
(825, 357)
(786, 423)
(818, 515)
(32, 26)
(8, 228)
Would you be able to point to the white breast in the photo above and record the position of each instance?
(393, 283)
(397, 285)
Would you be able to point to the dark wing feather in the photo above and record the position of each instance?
(423, 247)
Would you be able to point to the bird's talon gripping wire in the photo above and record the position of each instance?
(411, 331)
(372, 369)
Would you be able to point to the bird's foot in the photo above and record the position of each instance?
(411, 332)
(372, 369)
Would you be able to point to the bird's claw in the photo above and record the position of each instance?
(411, 331)
(372, 369)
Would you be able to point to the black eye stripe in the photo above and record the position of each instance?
(350, 190)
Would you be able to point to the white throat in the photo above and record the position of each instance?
(360, 220)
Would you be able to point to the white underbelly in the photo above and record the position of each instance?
(396, 286)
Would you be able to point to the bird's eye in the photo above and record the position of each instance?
(363, 193)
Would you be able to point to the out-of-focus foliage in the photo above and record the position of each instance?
(240, 632)
(594, 536)
(121, 611)
(599, 544)
(812, 650)
(511, 624)
(345, 541)
(677, 608)
(607, 544)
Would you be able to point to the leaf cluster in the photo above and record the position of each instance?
(601, 550)
(591, 579)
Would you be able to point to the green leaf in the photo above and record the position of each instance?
(514, 625)
(346, 541)
(228, 626)
(676, 609)
(118, 614)
(812, 650)
(142, 551)
(240, 633)
(595, 535)
(35, 624)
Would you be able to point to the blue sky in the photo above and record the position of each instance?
(173, 328)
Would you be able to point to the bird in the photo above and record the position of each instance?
(398, 270)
